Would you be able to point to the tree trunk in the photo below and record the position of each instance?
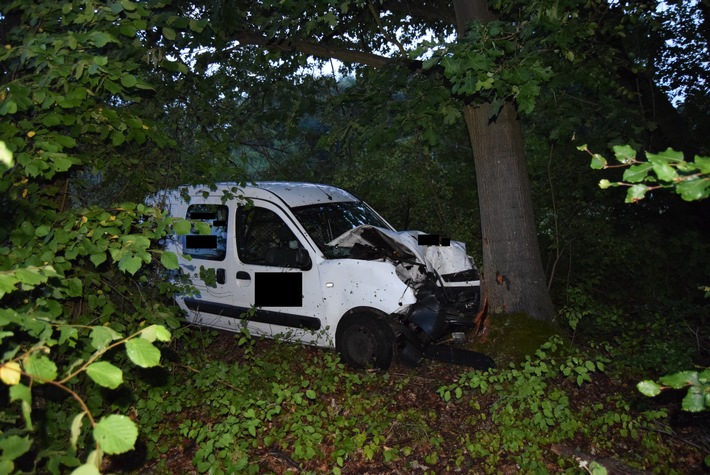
(513, 277)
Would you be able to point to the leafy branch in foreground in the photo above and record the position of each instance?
(691, 180)
(57, 323)
(113, 434)
(698, 397)
(664, 170)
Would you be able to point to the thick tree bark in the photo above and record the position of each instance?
(513, 276)
(514, 280)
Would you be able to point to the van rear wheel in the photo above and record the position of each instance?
(365, 341)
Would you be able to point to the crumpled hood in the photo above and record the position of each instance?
(404, 246)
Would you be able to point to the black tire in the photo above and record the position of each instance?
(365, 341)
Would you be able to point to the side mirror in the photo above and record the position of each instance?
(303, 260)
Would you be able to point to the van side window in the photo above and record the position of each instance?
(263, 238)
(211, 246)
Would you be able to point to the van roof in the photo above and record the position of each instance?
(294, 194)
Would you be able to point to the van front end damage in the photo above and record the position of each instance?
(445, 282)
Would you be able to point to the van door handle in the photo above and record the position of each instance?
(221, 276)
(243, 275)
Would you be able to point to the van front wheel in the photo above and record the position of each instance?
(365, 341)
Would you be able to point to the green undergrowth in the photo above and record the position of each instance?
(652, 339)
(288, 404)
(226, 403)
(552, 401)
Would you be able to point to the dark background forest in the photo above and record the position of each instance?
(443, 116)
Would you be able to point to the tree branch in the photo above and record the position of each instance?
(324, 51)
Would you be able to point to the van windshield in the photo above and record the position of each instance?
(326, 222)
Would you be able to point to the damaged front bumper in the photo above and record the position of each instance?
(446, 284)
(433, 318)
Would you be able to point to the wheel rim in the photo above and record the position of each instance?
(361, 344)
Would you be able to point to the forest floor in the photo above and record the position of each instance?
(426, 433)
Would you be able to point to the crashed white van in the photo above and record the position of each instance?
(314, 264)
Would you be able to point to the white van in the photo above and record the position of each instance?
(314, 264)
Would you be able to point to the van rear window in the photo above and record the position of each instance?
(213, 246)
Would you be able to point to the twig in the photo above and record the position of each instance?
(376, 16)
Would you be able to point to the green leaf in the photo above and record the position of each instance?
(143, 353)
(74, 287)
(8, 107)
(62, 163)
(76, 428)
(116, 434)
(30, 275)
(703, 163)
(102, 336)
(117, 138)
(65, 141)
(42, 230)
(101, 38)
(182, 227)
(169, 33)
(595, 468)
(203, 227)
(20, 392)
(598, 162)
(694, 401)
(51, 119)
(649, 388)
(156, 332)
(98, 258)
(130, 263)
(624, 153)
(635, 193)
(5, 157)
(197, 25)
(169, 260)
(86, 469)
(41, 367)
(694, 189)
(128, 5)
(670, 155)
(105, 374)
(7, 284)
(136, 241)
(128, 80)
(680, 380)
(68, 333)
(14, 446)
(662, 167)
(637, 173)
